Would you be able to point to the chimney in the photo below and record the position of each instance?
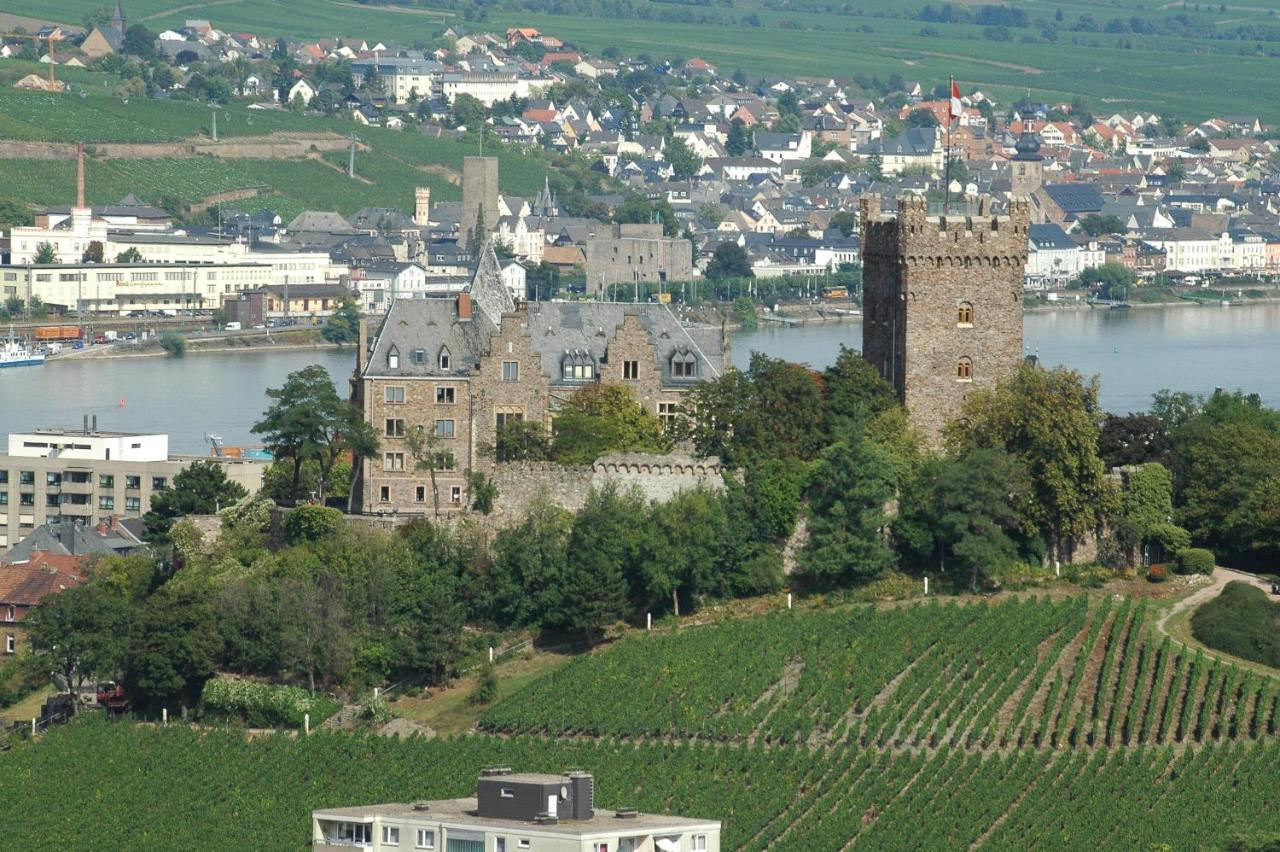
(582, 787)
(422, 206)
(80, 174)
(86, 424)
(102, 528)
(464, 306)
(115, 522)
(95, 423)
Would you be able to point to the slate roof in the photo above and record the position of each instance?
(555, 329)
(1075, 198)
(1051, 238)
(67, 538)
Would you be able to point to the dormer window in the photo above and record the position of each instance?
(419, 356)
(578, 366)
(444, 359)
(684, 365)
(393, 358)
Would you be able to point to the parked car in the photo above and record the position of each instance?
(232, 326)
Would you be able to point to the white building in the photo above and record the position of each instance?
(378, 285)
(403, 78)
(117, 289)
(513, 275)
(489, 87)
(1053, 258)
(89, 445)
(1192, 249)
(510, 812)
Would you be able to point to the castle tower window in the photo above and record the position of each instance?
(964, 316)
(964, 370)
(393, 358)
(444, 358)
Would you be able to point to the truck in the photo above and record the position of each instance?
(58, 332)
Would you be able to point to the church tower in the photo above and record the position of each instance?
(1027, 164)
(942, 301)
(118, 21)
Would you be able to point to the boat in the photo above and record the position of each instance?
(14, 353)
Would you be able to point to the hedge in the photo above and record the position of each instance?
(1241, 621)
(1195, 560)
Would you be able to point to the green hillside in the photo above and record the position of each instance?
(1025, 725)
(1193, 59)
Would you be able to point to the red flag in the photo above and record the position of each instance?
(956, 107)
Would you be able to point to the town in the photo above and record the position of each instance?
(457, 437)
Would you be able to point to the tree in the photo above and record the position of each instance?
(1048, 419)
(636, 210)
(344, 323)
(603, 547)
(528, 566)
(429, 454)
(1133, 439)
(483, 491)
(738, 140)
(684, 162)
(308, 422)
(202, 488)
(848, 541)
(469, 112)
(521, 440)
(962, 512)
(425, 622)
(139, 41)
(14, 213)
(46, 253)
(92, 253)
(1145, 504)
(170, 651)
(79, 630)
(1096, 225)
(129, 255)
(604, 418)
(1176, 172)
(773, 409)
(729, 261)
(921, 117)
(315, 627)
(846, 221)
(853, 394)
(683, 549)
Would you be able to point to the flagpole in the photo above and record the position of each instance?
(946, 154)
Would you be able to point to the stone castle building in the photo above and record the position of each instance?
(479, 196)
(942, 301)
(460, 366)
(635, 254)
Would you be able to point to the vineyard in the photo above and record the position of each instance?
(112, 786)
(1026, 724)
(1032, 673)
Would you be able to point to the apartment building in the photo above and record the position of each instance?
(512, 813)
(404, 78)
(89, 476)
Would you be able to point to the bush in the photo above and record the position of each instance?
(1158, 573)
(311, 523)
(893, 586)
(174, 344)
(486, 688)
(1241, 621)
(1170, 538)
(1195, 560)
(263, 705)
(375, 709)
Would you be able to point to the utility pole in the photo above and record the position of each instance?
(286, 299)
(215, 124)
(351, 162)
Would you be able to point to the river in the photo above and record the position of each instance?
(1135, 352)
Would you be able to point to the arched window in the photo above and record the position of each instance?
(444, 359)
(964, 315)
(964, 369)
(393, 358)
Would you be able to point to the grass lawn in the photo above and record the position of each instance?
(29, 707)
(446, 711)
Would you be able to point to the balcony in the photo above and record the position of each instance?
(76, 510)
(71, 486)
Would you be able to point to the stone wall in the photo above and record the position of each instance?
(943, 302)
(522, 484)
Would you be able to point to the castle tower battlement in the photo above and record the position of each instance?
(942, 300)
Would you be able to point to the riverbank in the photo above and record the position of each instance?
(305, 339)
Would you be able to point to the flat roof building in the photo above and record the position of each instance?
(511, 813)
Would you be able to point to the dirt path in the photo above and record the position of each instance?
(1221, 576)
(187, 8)
(427, 13)
(1012, 66)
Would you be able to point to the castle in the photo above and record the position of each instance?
(942, 301)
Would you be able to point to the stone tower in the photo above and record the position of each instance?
(479, 195)
(942, 301)
(422, 206)
(1027, 166)
(118, 20)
